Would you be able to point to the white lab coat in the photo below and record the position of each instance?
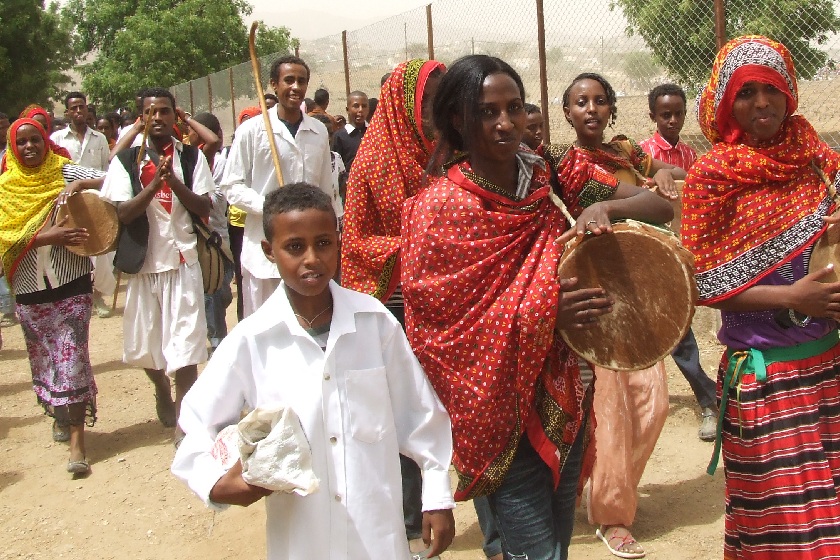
(249, 176)
(361, 403)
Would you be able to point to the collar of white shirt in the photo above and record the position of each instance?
(277, 311)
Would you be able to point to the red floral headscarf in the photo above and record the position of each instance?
(748, 209)
(388, 169)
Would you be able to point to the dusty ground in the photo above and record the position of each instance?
(132, 508)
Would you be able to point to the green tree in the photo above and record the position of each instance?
(142, 43)
(682, 37)
(34, 54)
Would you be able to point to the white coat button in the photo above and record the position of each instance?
(333, 439)
(327, 377)
(337, 498)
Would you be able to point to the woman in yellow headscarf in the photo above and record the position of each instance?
(52, 286)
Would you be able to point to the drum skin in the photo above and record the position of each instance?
(827, 251)
(650, 277)
(86, 209)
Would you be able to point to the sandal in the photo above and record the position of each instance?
(620, 542)
(78, 467)
(59, 433)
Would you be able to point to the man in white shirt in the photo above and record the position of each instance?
(164, 326)
(303, 145)
(87, 147)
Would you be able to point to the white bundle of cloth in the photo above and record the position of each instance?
(274, 451)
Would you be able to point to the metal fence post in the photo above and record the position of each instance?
(720, 24)
(232, 98)
(431, 32)
(192, 109)
(346, 63)
(543, 72)
(209, 95)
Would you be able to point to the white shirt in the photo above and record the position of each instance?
(361, 403)
(92, 151)
(249, 176)
(171, 236)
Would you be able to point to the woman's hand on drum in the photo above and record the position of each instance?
(581, 309)
(594, 219)
(833, 219)
(815, 298)
(72, 188)
(57, 234)
(663, 183)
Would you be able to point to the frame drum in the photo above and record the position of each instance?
(650, 277)
(86, 209)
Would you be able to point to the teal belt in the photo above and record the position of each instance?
(755, 361)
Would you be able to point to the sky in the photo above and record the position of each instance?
(326, 17)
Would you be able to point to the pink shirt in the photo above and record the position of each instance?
(681, 155)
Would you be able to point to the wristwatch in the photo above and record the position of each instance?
(798, 319)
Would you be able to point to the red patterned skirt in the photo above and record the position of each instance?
(781, 454)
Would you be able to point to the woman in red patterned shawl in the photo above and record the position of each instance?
(390, 167)
(481, 245)
(752, 208)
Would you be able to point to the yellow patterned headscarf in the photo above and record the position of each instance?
(27, 197)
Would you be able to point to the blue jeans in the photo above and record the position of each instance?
(534, 519)
(492, 540)
(687, 357)
(215, 307)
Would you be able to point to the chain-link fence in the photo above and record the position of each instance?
(635, 44)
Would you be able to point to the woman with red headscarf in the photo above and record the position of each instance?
(753, 207)
(52, 286)
(390, 167)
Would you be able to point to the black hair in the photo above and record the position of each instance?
(113, 118)
(74, 95)
(324, 119)
(210, 121)
(458, 94)
(294, 196)
(608, 89)
(139, 97)
(155, 92)
(664, 89)
(288, 59)
(384, 79)
(353, 93)
(3, 116)
(530, 109)
(372, 104)
(127, 119)
(268, 96)
(310, 105)
(321, 97)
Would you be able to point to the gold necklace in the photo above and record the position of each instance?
(310, 321)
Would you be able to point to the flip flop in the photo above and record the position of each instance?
(622, 541)
(78, 467)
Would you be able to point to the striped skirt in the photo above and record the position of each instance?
(781, 454)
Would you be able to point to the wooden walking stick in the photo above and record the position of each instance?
(255, 66)
(142, 153)
(116, 291)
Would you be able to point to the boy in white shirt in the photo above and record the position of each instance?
(164, 325)
(340, 360)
